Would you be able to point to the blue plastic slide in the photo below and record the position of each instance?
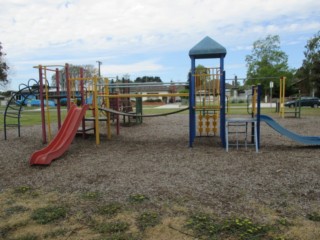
(307, 140)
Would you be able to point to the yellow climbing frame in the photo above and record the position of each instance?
(207, 90)
(282, 95)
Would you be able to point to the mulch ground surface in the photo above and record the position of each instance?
(154, 159)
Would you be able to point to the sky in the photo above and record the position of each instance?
(147, 37)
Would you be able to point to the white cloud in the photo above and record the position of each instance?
(143, 67)
(41, 24)
(80, 30)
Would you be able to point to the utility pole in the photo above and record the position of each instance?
(99, 63)
(235, 87)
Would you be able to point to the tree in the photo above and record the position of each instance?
(146, 79)
(74, 71)
(4, 68)
(201, 76)
(266, 63)
(309, 72)
(200, 70)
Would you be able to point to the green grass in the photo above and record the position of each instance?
(315, 216)
(147, 219)
(45, 217)
(112, 227)
(91, 196)
(56, 233)
(110, 209)
(15, 210)
(138, 198)
(48, 214)
(31, 117)
(28, 236)
(236, 109)
(206, 226)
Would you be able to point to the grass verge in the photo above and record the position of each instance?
(29, 214)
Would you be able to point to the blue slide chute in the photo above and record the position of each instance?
(307, 140)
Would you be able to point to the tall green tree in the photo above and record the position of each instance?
(200, 70)
(267, 62)
(202, 74)
(146, 79)
(74, 71)
(309, 72)
(4, 68)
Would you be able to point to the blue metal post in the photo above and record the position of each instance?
(222, 103)
(192, 115)
(253, 111)
(258, 113)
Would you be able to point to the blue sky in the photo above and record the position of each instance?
(151, 37)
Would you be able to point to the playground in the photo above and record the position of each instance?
(153, 159)
(230, 166)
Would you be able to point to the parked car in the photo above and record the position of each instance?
(313, 102)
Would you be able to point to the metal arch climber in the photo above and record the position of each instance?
(12, 112)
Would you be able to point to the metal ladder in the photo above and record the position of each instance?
(239, 126)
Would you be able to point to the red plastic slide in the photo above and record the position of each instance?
(62, 140)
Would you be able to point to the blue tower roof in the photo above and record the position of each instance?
(208, 48)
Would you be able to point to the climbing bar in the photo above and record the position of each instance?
(81, 79)
(147, 84)
(48, 67)
(216, 107)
